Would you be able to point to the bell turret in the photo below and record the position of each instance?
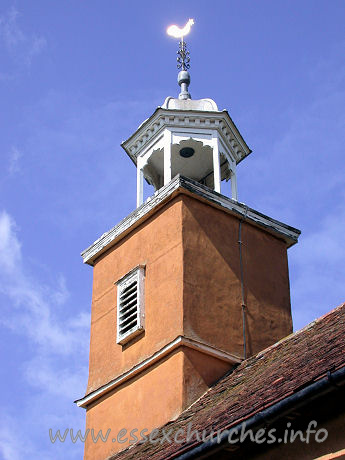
(187, 137)
(186, 286)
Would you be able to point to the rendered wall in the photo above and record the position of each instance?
(158, 244)
(136, 405)
(211, 281)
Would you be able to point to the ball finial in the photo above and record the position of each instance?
(183, 79)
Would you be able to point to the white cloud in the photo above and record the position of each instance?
(11, 33)
(61, 294)
(10, 445)
(21, 46)
(56, 370)
(10, 248)
(41, 372)
(317, 284)
(14, 158)
(34, 311)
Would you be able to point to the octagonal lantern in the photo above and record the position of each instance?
(188, 137)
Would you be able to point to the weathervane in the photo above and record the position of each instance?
(183, 58)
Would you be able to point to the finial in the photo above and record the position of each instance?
(183, 58)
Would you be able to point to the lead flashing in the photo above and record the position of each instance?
(181, 184)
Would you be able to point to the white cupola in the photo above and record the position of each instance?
(187, 137)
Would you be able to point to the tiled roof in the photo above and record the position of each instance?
(259, 382)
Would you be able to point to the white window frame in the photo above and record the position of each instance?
(136, 274)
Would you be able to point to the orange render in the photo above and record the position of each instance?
(193, 313)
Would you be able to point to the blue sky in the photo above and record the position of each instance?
(77, 78)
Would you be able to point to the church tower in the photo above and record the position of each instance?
(189, 284)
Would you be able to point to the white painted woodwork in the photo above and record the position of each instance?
(130, 304)
(216, 164)
(188, 123)
(233, 185)
(167, 156)
(140, 186)
(188, 186)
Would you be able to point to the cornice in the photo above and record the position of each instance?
(181, 184)
(179, 342)
(219, 121)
